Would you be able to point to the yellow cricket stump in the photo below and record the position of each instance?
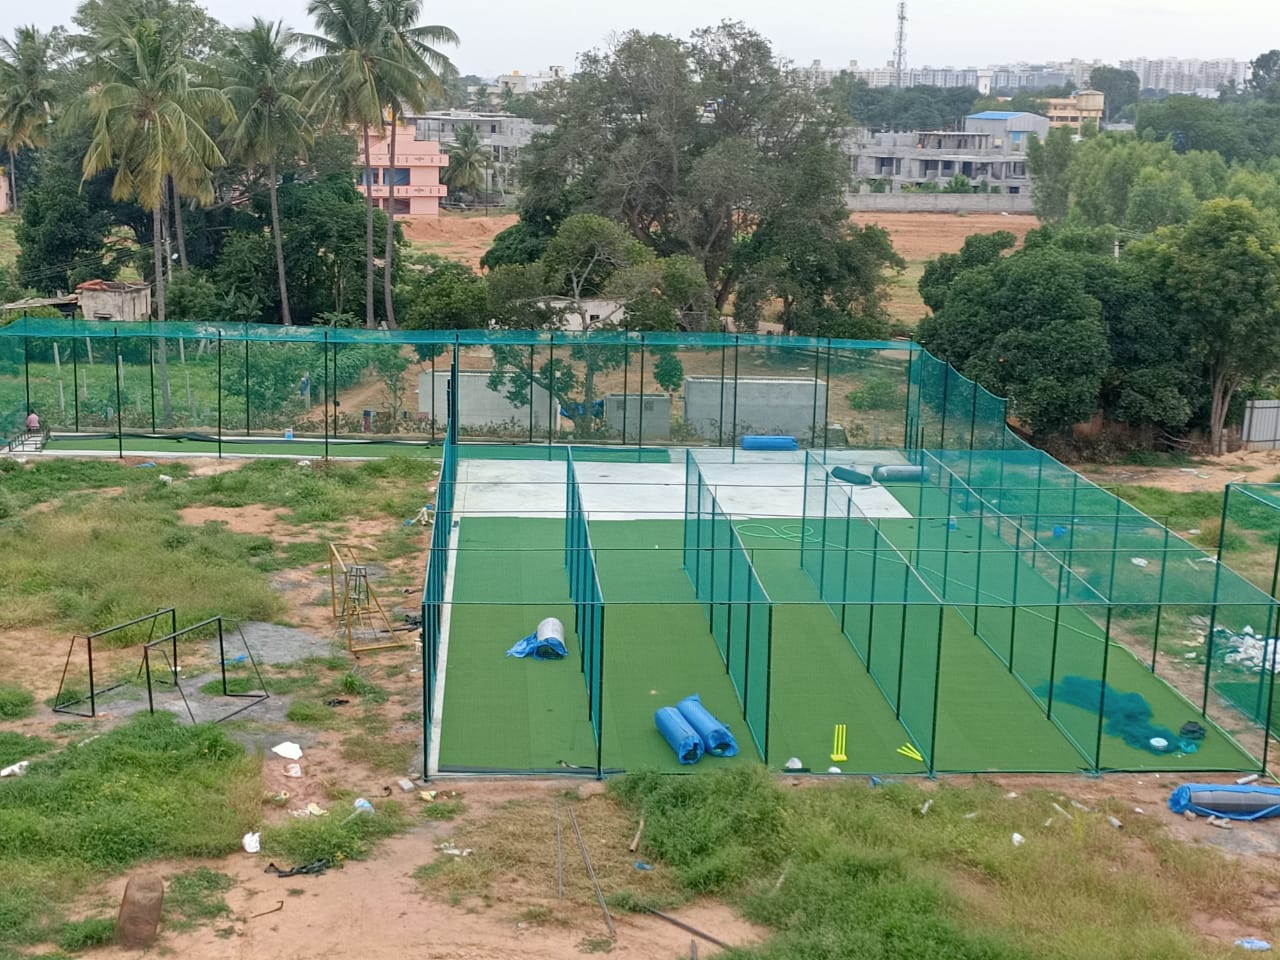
(909, 750)
(838, 743)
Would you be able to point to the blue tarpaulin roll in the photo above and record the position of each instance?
(716, 738)
(676, 731)
(850, 475)
(1226, 800)
(545, 643)
(757, 442)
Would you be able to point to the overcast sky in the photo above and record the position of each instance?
(504, 35)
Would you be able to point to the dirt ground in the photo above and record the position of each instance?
(916, 236)
(1209, 474)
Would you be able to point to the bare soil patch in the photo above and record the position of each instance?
(465, 239)
(1209, 474)
(923, 236)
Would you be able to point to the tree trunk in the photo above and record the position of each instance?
(13, 180)
(1217, 410)
(162, 364)
(369, 320)
(179, 228)
(285, 318)
(391, 226)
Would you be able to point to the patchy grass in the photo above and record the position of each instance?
(196, 897)
(77, 935)
(379, 753)
(859, 867)
(18, 746)
(148, 789)
(311, 713)
(443, 810)
(1184, 511)
(335, 837)
(16, 702)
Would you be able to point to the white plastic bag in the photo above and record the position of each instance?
(252, 842)
(289, 750)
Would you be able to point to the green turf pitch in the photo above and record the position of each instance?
(504, 713)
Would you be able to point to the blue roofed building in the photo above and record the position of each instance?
(1008, 128)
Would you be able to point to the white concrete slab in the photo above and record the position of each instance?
(767, 485)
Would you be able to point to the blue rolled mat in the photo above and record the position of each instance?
(1235, 802)
(716, 738)
(756, 442)
(676, 731)
(850, 475)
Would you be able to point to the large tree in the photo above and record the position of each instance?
(469, 160)
(28, 89)
(271, 123)
(347, 78)
(1120, 87)
(418, 47)
(149, 124)
(1220, 275)
(691, 145)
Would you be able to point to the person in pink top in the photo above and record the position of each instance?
(33, 421)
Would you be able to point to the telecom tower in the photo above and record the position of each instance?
(900, 48)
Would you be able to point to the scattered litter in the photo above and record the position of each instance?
(240, 659)
(450, 850)
(1194, 531)
(1253, 943)
(1062, 810)
(165, 479)
(1140, 561)
(970, 816)
(316, 810)
(336, 702)
(1188, 815)
(1138, 810)
(304, 463)
(1189, 656)
(924, 807)
(289, 750)
(276, 909)
(1018, 839)
(793, 764)
(15, 769)
(147, 463)
(315, 868)
(1247, 649)
(1251, 778)
(279, 799)
(293, 770)
(641, 865)
(1115, 823)
(881, 781)
(405, 785)
(1049, 822)
(1220, 822)
(252, 842)
(1080, 806)
(1011, 795)
(362, 808)
(833, 770)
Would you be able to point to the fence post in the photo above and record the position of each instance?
(326, 370)
(119, 415)
(328, 396)
(640, 429)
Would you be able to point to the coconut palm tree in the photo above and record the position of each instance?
(468, 161)
(271, 123)
(416, 46)
(347, 77)
(27, 91)
(148, 121)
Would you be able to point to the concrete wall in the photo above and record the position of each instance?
(767, 405)
(480, 408)
(656, 424)
(115, 304)
(941, 202)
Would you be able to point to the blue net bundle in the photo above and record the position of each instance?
(1127, 715)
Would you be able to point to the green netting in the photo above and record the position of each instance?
(736, 604)
(588, 603)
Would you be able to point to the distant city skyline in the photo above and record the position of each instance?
(499, 38)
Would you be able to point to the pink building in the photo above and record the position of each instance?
(414, 185)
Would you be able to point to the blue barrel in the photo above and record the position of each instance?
(755, 442)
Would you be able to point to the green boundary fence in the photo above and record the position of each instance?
(736, 605)
(588, 602)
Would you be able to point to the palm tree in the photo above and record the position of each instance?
(270, 120)
(148, 124)
(468, 161)
(347, 77)
(27, 88)
(415, 46)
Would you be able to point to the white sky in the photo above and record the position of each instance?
(501, 35)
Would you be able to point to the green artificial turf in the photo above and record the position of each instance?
(656, 652)
(500, 712)
(557, 452)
